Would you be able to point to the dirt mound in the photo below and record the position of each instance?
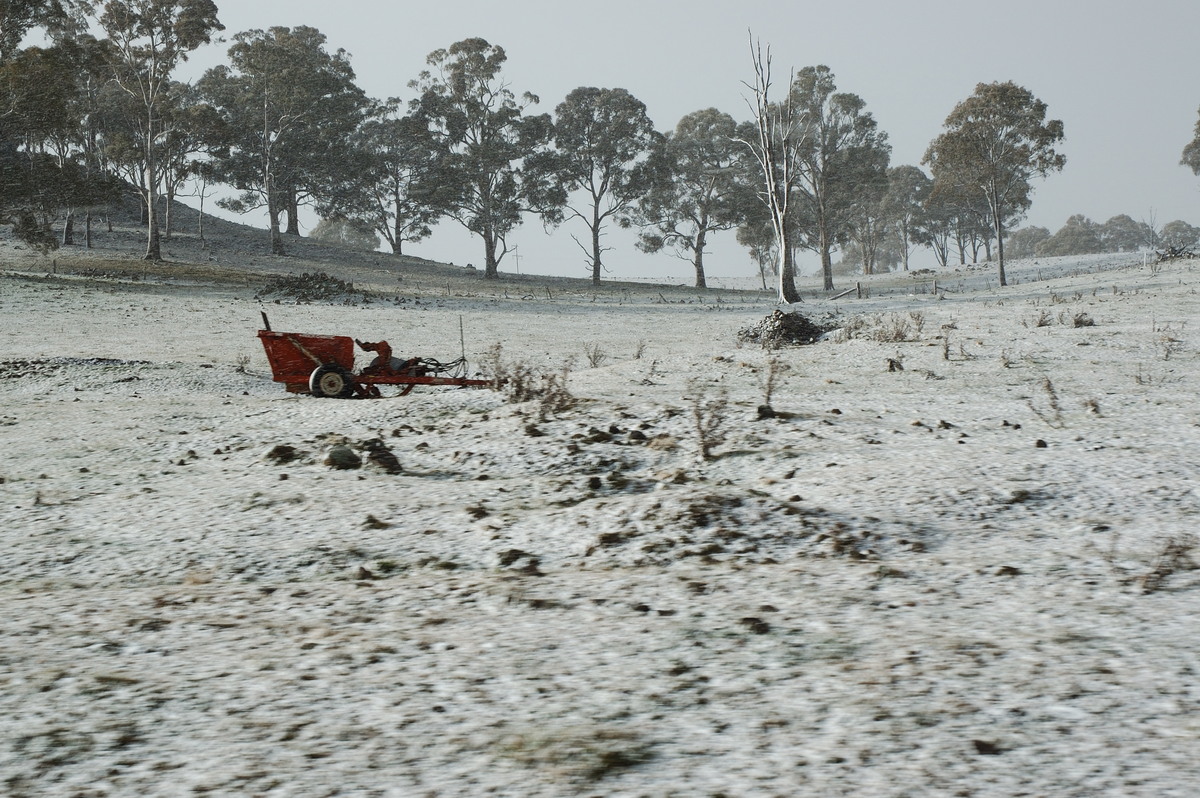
(315, 287)
(784, 329)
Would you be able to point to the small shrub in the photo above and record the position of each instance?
(1175, 556)
(595, 355)
(1053, 415)
(639, 350)
(893, 329)
(775, 372)
(1169, 345)
(1082, 319)
(520, 382)
(708, 416)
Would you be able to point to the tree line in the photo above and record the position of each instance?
(283, 124)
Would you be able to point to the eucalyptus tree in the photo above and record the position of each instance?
(995, 142)
(1191, 152)
(845, 162)
(1079, 236)
(702, 189)
(390, 188)
(868, 231)
(43, 163)
(605, 148)
(18, 17)
(195, 134)
(1024, 241)
(1179, 233)
(756, 235)
(491, 167)
(289, 107)
(934, 226)
(908, 189)
(1122, 233)
(773, 142)
(148, 40)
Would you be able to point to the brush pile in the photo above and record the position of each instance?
(783, 329)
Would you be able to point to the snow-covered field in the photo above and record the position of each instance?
(969, 576)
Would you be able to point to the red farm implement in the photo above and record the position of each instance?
(323, 365)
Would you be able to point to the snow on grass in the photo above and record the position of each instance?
(941, 566)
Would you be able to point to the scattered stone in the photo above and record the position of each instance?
(362, 573)
(1041, 444)
(343, 458)
(673, 476)
(756, 625)
(521, 561)
(374, 523)
(280, 454)
(986, 747)
(597, 436)
(381, 457)
(662, 443)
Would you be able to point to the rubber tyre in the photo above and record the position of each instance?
(331, 381)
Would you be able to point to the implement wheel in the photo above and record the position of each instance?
(331, 381)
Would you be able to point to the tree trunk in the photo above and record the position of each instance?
(787, 272)
(1000, 249)
(595, 246)
(698, 261)
(293, 215)
(826, 265)
(491, 266)
(276, 238)
(824, 245)
(153, 245)
(68, 236)
(87, 229)
(272, 212)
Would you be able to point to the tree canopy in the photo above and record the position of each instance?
(702, 189)
(289, 107)
(994, 143)
(149, 38)
(845, 158)
(604, 142)
(485, 142)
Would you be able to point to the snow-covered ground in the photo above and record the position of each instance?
(966, 576)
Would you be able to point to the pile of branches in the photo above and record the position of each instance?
(783, 329)
(315, 287)
(1174, 253)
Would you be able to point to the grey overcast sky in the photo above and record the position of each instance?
(1124, 77)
